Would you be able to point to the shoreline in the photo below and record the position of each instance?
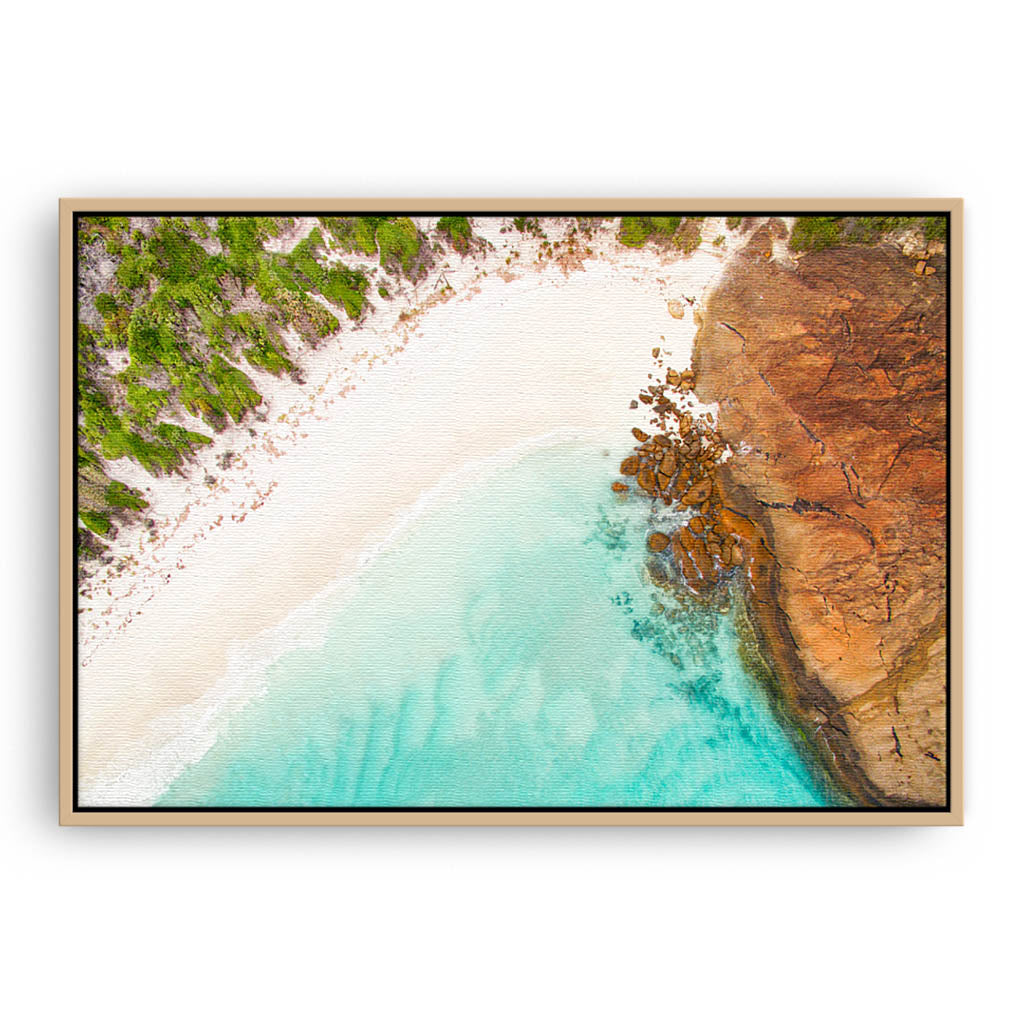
(264, 558)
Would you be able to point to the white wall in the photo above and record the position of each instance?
(191, 99)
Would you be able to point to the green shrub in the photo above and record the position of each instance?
(180, 439)
(346, 288)
(87, 459)
(145, 402)
(458, 231)
(635, 231)
(235, 388)
(178, 258)
(399, 242)
(105, 305)
(812, 234)
(665, 226)
(115, 226)
(96, 521)
(265, 354)
(528, 226)
(119, 495)
(134, 270)
(242, 239)
(354, 233)
(151, 338)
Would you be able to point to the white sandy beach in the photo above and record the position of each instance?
(389, 413)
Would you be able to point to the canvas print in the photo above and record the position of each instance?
(500, 511)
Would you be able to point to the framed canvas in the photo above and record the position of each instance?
(511, 511)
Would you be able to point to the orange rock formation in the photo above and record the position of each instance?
(831, 384)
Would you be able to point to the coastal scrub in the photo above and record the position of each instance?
(177, 315)
(815, 234)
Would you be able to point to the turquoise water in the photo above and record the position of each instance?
(507, 650)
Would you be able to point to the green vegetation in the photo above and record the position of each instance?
(145, 402)
(242, 239)
(232, 395)
(118, 495)
(268, 356)
(719, 241)
(192, 309)
(812, 234)
(166, 308)
(458, 231)
(354, 234)
(106, 229)
(106, 306)
(529, 226)
(285, 280)
(396, 241)
(732, 223)
(96, 521)
(636, 231)
(90, 547)
(400, 243)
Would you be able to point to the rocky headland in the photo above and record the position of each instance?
(820, 496)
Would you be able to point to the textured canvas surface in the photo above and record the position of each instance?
(511, 511)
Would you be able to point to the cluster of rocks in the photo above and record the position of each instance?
(677, 466)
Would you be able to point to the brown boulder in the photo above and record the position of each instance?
(699, 492)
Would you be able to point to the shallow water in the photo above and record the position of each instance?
(508, 650)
